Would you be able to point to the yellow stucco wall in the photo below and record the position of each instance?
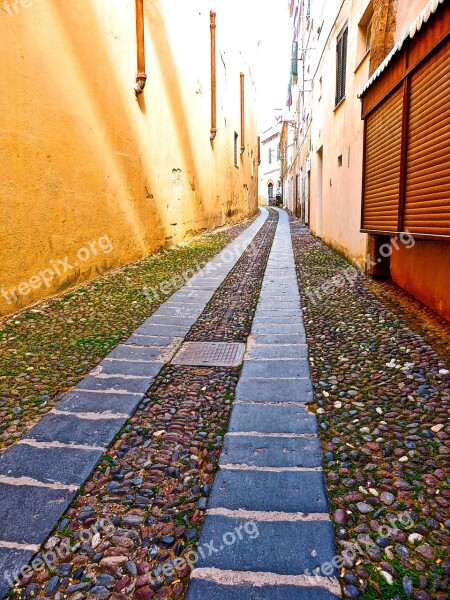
(89, 172)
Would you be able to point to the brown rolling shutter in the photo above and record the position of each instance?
(427, 197)
(382, 165)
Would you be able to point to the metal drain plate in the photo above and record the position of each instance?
(210, 354)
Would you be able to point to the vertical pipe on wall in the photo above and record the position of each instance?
(213, 76)
(242, 112)
(141, 76)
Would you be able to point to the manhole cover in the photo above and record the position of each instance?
(210, 354)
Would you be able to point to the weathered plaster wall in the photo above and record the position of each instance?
(337, 135)
(82, 160)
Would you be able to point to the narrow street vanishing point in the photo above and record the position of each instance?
(224, 310)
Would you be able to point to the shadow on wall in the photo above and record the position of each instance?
(162, 50)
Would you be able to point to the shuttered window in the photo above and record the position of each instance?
(382, 165)
(427, 195)
(341, 64)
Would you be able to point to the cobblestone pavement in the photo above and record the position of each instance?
(382, 399)
(152, 485)
(46, 350)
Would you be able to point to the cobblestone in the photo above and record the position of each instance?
(382, 397)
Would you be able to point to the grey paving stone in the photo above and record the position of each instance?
(68, 466)
(11, 562)
(187, 302)
(174, 320)
(271, 451)
(67, 429)
(175, 309)
(278, 547)
(28, 514)
(279, 314)
(164, 330)
(286, 339)
(265, 319)
(203, 589)
(290, 328)
(286, 491)
(268, 304)
(274, 390)
(125, 367)
(275, 368)
(276, 351)
(272, 418)
(133, 353)
(95, 402)
(115, 384)
(147, 340)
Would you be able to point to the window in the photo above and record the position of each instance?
(236, 151)
(364, 37)
(270, 156)
(278, 152)
(341, 64)
(340, 160)
(368, 35)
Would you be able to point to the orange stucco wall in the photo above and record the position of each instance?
(424, 272)
(84, 162)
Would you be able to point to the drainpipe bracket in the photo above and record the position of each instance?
(141, 80)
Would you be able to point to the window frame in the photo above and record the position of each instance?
(341, 64)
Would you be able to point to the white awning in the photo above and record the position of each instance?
(415, 26)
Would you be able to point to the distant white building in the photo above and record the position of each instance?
(270, 167)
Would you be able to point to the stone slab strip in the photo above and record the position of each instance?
(270, 469)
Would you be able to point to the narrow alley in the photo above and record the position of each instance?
(224, 334)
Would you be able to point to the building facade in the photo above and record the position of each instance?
(90, 151)
(342, 51)
(270, 168)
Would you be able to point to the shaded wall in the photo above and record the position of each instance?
(91, 173)
(424, 272)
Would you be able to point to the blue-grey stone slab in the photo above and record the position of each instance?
(163, 330)
(275, 368)
(279, 351)
(294, 327)
(95, 402)
(68, 429)
(274, 390)
(272, 418)
(28, 514)
(134, 353)
(264, 319)
(200, 589)
(126, 367)
(115, 384)
(276, 547)
(286, 491)
(279, 314)
(68, 466)
(271, 451)
(11, 563)
(271, 303)
(148, 340)
(176, 310)
(173, 320)
(286, 339)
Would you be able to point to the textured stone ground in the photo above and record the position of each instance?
(152, 486)
(383, 400)
(46, 350)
